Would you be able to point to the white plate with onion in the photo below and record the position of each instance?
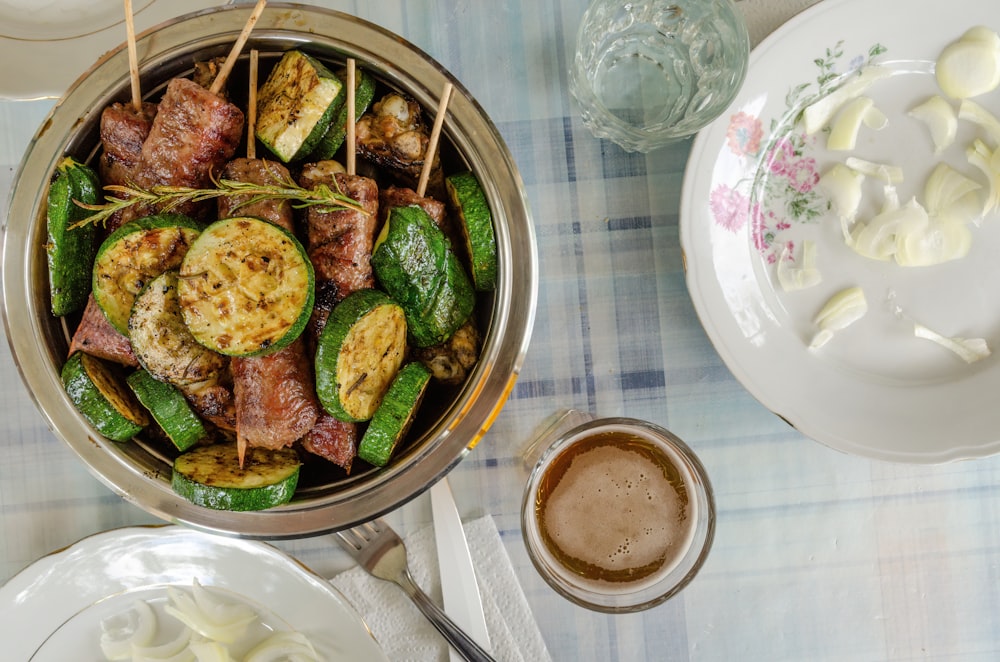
(60, 607)
(770, 239)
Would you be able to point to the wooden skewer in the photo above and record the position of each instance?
(227, 66)
(252, 106)
(133, 57)
(425, 172)
(351, 167)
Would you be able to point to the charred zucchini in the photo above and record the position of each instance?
(101, 396)
(70, 250)
(246, 287)
(358, 354)
(364, 92)
(476, 225)
(161, 340)
(414, 262)
(296, 105)
(135, 254)
(211, 476)
(392, 419)
(169, 409)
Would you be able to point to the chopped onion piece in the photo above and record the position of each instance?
(208, 617)
(980, 156)
(135, 627)
(937, 241)
(878, 239)
(803, 276)
(941, 121)
(951, 196)
(840, 311)
(969, 350)
(973, 112)
(818, 114)
(844, 130)
(842, 187)
(210, 651)
(885, 172)
(969, 66)
(172, 651)
(282, 646)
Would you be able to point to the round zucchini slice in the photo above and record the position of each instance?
(133, 255)
(476, 224)
(211, 476)
(169, 408)
(359, 352)
(161, 340)
(414, 262)
(392, 420)
(102, 398)
(246, 287)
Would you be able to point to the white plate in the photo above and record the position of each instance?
(875, 390)
(52, 610)
(54, 41)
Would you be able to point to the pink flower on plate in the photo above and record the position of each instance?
(729, 207)
(744, 134)
(780, 159)
(802, 175)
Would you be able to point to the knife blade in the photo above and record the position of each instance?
(462, 601)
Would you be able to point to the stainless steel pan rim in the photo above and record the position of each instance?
(38, 342)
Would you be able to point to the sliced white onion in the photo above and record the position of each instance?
(840, 311)
(800, 277)
(210, 651)
(842, 187)
(951, 196)
(969, 350)
(134, 627)
(171, 651)
(986, 161)
(845, 128)
(283, 646)
(878, 238)
(818, 114)
(887, 173)
(211, 618)
(935, 242)
(970, 66)
(971, 111)
(941, 120)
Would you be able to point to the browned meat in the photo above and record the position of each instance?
(393, 135)
(123, 130)
(97, 337)
(195, 133)
(275, 395)
(340, 242)
(213, 400)
(257, 171)
(394, 196)
(334, 440)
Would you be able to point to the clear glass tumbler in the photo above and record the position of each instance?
(651, 72)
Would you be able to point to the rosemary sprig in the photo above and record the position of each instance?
(168, 198)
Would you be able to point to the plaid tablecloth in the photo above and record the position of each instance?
(818, 555)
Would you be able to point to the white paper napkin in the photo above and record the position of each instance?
(403, 632)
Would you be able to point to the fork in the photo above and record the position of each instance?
(380, 551)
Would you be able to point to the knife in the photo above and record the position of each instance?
(459, 587)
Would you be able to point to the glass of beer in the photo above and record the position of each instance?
(618, 513)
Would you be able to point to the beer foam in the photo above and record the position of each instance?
(616, 510)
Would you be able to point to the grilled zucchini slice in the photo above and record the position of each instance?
(133, 255)
(169, 408)
(359, 352)
(414, 262)
(364, 92)
(211, 476)
(70, 250)
(161, 340)
(476, 225)
(296, 105)
(392, 419)
(246, 287)
(101, 396)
